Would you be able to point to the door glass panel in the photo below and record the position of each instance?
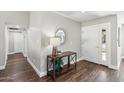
(104, 49)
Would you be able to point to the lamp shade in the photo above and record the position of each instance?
(55, 41)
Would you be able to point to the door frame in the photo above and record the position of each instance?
(7, 36)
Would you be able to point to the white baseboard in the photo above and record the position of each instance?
(25, 55)
(34, 67)
(111, 66)
(114, 67)
(11, 53)
(2, 67)
(14, 53)
(43, 73)
(81, 58)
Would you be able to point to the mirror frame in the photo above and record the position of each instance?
(60, 36)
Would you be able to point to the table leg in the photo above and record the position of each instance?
(68, 62)
(75, 61)
(47, 65)
(54, 68)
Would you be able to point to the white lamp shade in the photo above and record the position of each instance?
(55, 41)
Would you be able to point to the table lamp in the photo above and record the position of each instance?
(54, 41)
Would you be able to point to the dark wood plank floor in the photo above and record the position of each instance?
(19, 70)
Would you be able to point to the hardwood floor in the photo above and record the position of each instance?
(19, 70)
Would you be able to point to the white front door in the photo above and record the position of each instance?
(93, 46)
(90, 43)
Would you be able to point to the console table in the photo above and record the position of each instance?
(72, 56)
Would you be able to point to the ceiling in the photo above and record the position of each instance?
(82, 16)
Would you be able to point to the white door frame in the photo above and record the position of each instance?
(7, 41)
(6, 44)
(108, 40)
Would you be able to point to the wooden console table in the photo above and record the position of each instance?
(72, 56)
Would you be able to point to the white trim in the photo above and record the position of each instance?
(6, 47)
(34, 67)
(110, 66)
(119, 64)
(15, 53)
(2, 67)
(43, 73)
(25, 55)
(11, 53)
(79, 59)
(114, 67)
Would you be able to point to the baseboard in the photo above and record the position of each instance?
(43, 73)
(34, 67)
(11, 53)
(114, 67)
(14, 53)
(111, 66)
(24, 55)
(81, 58)
(2, 67)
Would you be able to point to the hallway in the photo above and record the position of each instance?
(17, 69)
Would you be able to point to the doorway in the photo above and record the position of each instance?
(95, 46)
(15, 40)
(18, 42)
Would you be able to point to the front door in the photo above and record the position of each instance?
(90, 43)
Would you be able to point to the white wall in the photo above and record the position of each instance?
(122, 41)
(120, 22)
(48, 23)
(113, 21)
(10, 18)
(11, 42)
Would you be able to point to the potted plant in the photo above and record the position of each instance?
(59, 65)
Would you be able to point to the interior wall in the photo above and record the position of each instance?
(121, 47)
(122, 35)
(113, 20)
(48, 23)
(34, 47)
(20, 18)
(11, 42)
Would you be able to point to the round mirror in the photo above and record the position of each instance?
(61, 34)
